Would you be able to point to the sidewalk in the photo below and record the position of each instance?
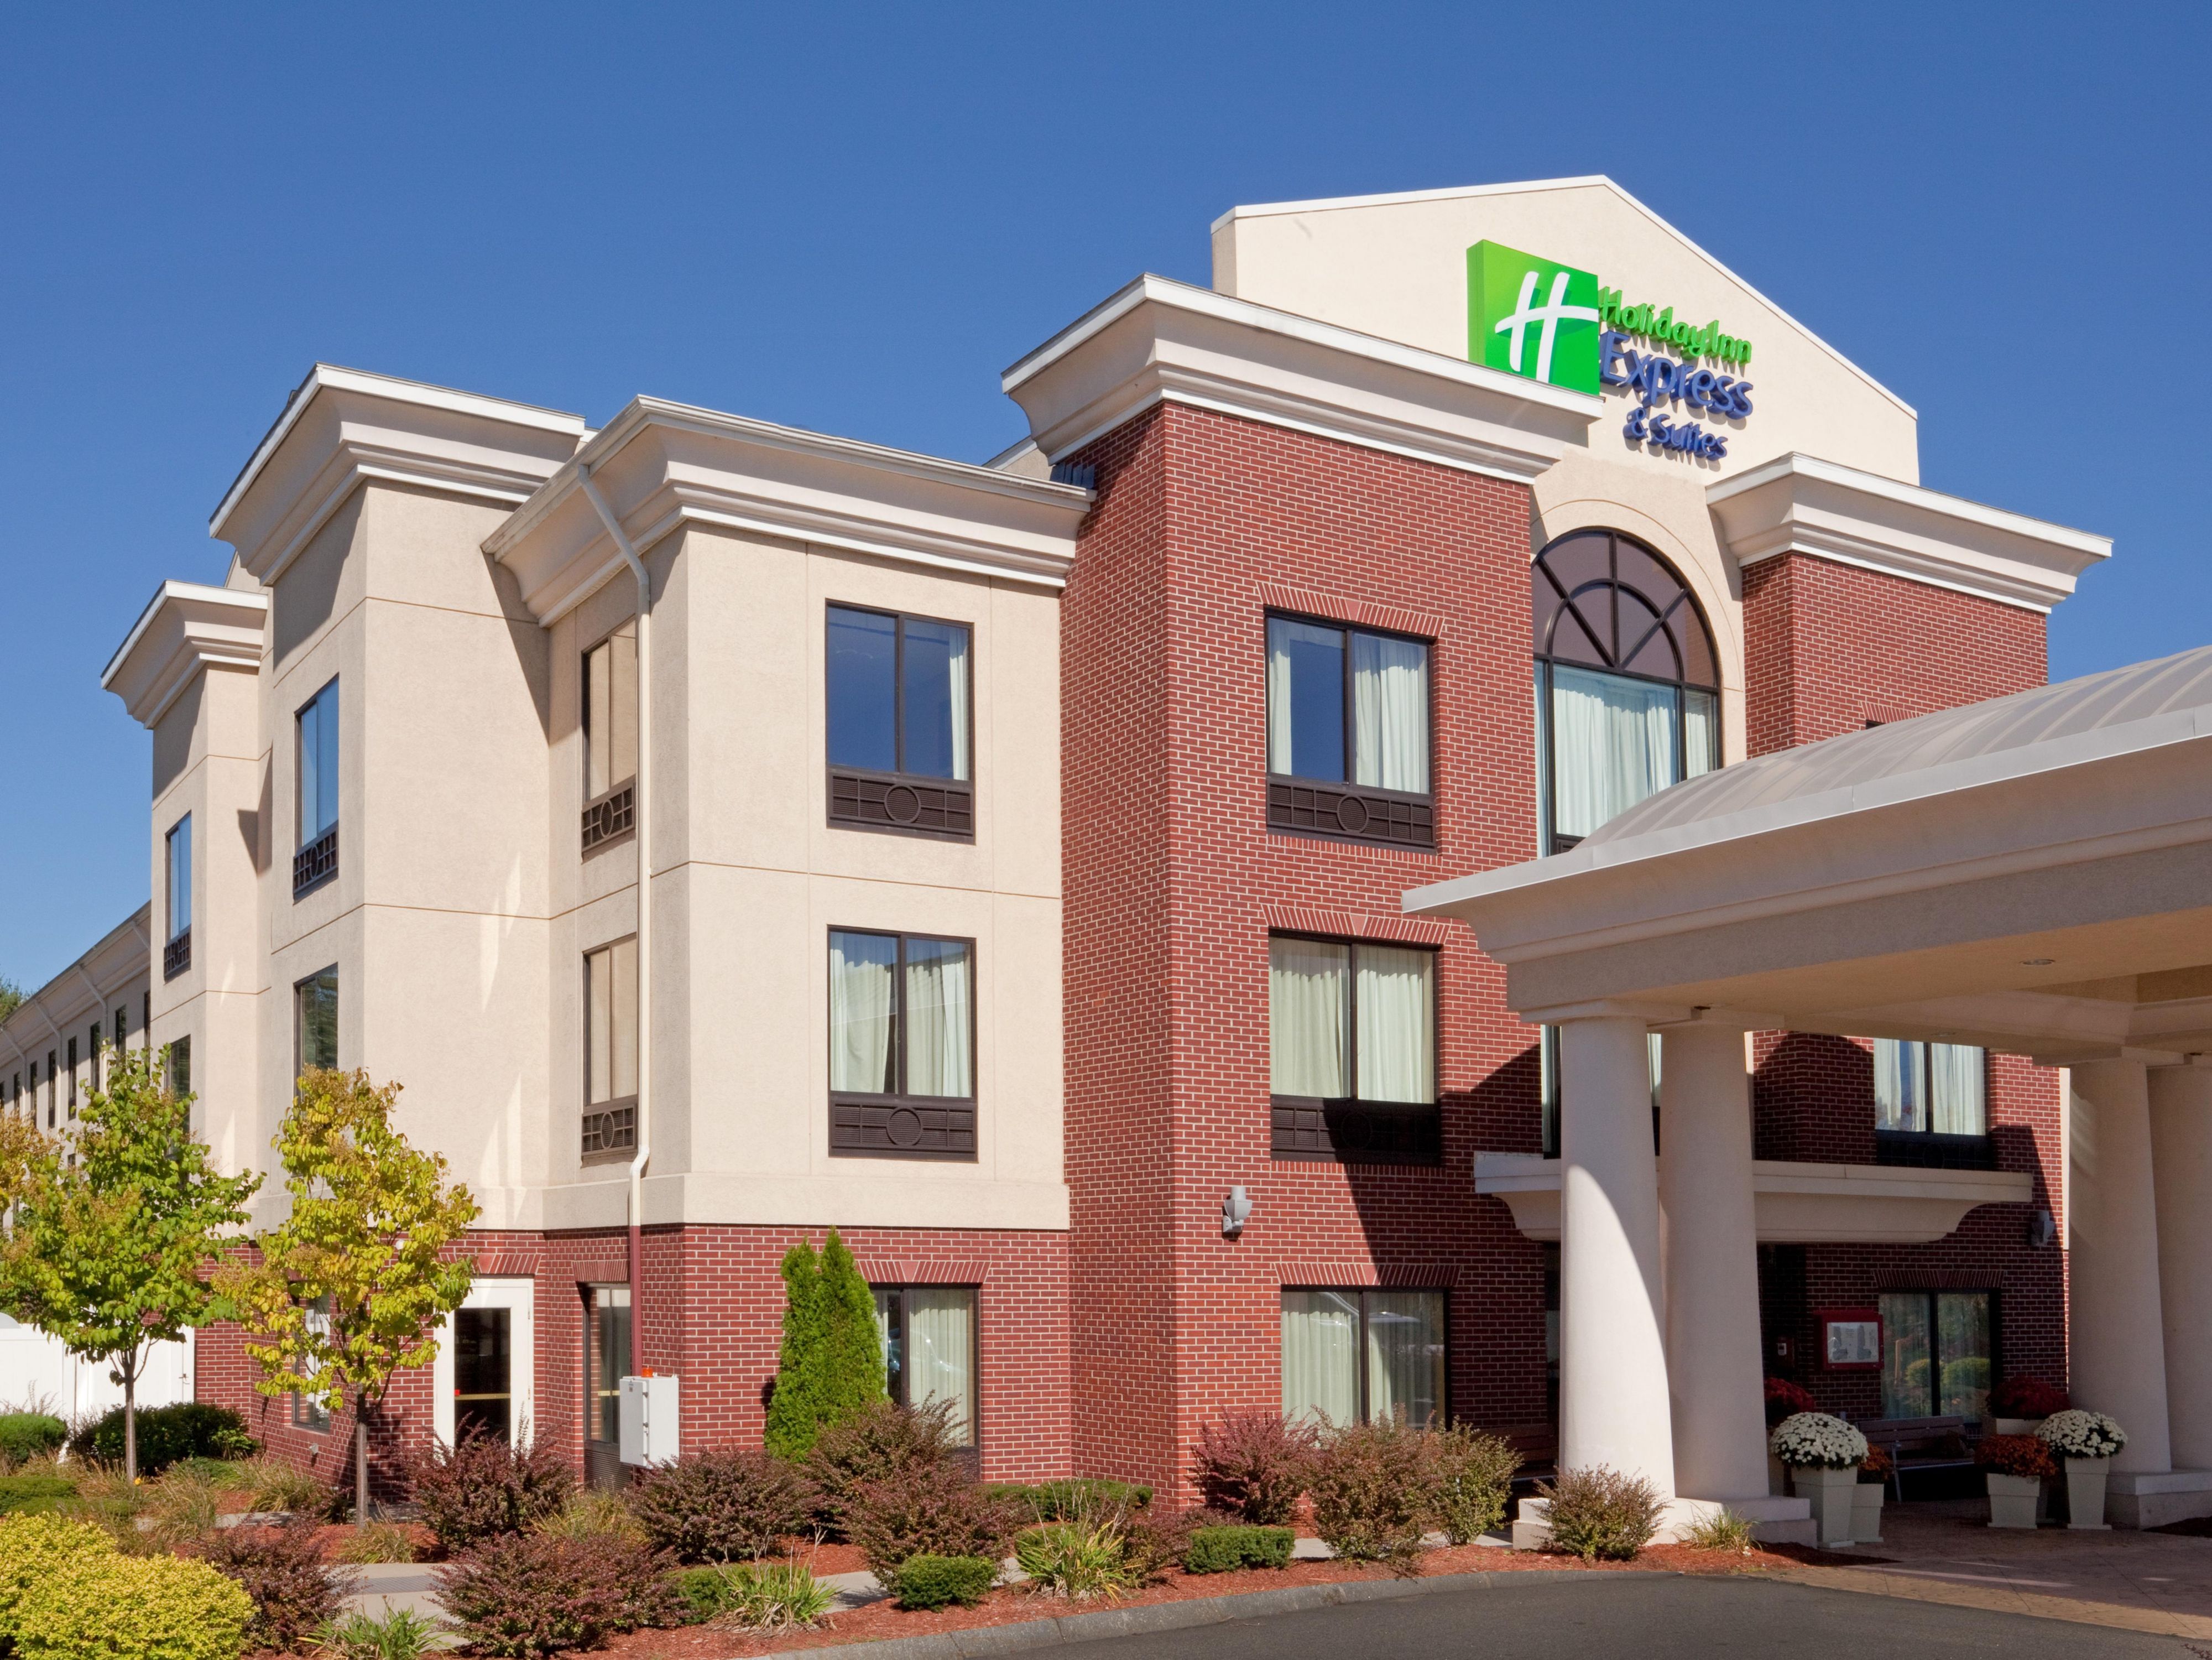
(1943, 1551)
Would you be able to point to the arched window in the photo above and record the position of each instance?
(1627, 688)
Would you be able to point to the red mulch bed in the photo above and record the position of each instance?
(1012, 1605)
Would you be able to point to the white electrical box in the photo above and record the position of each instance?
(650, 1416)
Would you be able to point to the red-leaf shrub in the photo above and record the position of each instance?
(927, 1510)
(2023, 1455)
(2026, 1397)
(1254, 1466)
(879, 1441)
(721, 1504)
(1374, 1491)
(282, 1570)
(520, 1594)
(483, 1488)
(1785, 1400)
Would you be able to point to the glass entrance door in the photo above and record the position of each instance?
(606, 1358)
(484, 1373)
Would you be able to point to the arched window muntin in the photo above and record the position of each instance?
(1613, 623)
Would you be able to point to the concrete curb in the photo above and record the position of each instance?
(1179, 1616)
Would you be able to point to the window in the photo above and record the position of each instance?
(901, 1045)
(1938, 1352)
(1353, 1357)
(177, 947)
(316, 1037)
(72, 1077)
(610, 719)
(95, 1039)
(1348, 733)
(1930, 1104)
(317, 777)
(50, 1088)
(899, 723)
(307, 1412)
(611, 1051)
(121, 1026)
(1548, 1075)
(484, 1374)
(180, 1065)
(1351, 1050)
(1627, 692)
(929, 1350)
(608, 1360)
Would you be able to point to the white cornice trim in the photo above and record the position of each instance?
(330, 376)
(1596, 180)
(1799, 503)
(1211, 351)
(802, 486)
(185, 628)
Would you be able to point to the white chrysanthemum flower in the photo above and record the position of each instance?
(1816, 1440)
(2079, 1434)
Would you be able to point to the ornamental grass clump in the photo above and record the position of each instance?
(1254, 1466)
(282, 1570)
(379, 1542)
(1601, 1514)
(1081, 1561)
(1471, 1482)
(1372, 1493)
(1814, 1440)
(401, 1634)
(2078, 1434)
(2021, 1456)
(757, 1595)
(724, 1504)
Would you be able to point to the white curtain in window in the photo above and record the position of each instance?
(956, 697)
(1306, 1038)
(1896, 1095)
(1405, 1355)
(1956, 1103)
(937, 1019)
(861, 966)
(1321, 1356)
(1397, 988)
(610, 976)
(1613, 745)
(1701, 732)
(941, 1358)
(1390, 713)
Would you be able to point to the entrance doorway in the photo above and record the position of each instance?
(484, 1371)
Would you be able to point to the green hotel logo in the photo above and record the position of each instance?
(1532, 317)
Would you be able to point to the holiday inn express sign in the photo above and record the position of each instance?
(1533, 317)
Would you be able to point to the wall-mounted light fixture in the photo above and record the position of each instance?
(1235, 1208)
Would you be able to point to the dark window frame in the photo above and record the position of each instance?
(898, 1391)
(315, 860)
(899, 802)
(612, 1122)
(1937, 1149)
(1548, 840)
(1298, 805)
(177, 945)
(1995, 1296)
(850, 1110)
(298, 1024)
(602, 1456)
(610, 816)
(1292, 1117)
(1443, 1293)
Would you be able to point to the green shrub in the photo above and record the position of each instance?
(1078, 1560)
(25, 1494)
(721, 1504)
(1237, 1545)
(524, 1594)
(1074, 1499)
(1373, 1493)
(33, 1546)
(1602, 1514)
(757, 1596)
(1472, 1475)
(188, 1429)
(401, 1634)
(930, 1582)
(127, 1608)
(281, 1569)
(30, 1435)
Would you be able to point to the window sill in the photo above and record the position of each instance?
(902, 1127)
(1311, 1131)
(940, 809)
(1925, 1150)
(1350, 813)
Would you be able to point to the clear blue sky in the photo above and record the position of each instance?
(851, 218)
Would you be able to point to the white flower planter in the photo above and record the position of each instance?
(1834, 1496)
(1866, 1512)
(2013, 1499)
(2085, 1492)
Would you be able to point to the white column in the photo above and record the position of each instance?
(2181, 1173)
(1712, 1265)
(2117, 1360)
(1613, 1359)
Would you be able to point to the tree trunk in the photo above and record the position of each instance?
(129, 1368)
(359, 1461)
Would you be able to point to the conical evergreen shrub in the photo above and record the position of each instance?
(853, 1347)
(832, 1363)
(794, 1410)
